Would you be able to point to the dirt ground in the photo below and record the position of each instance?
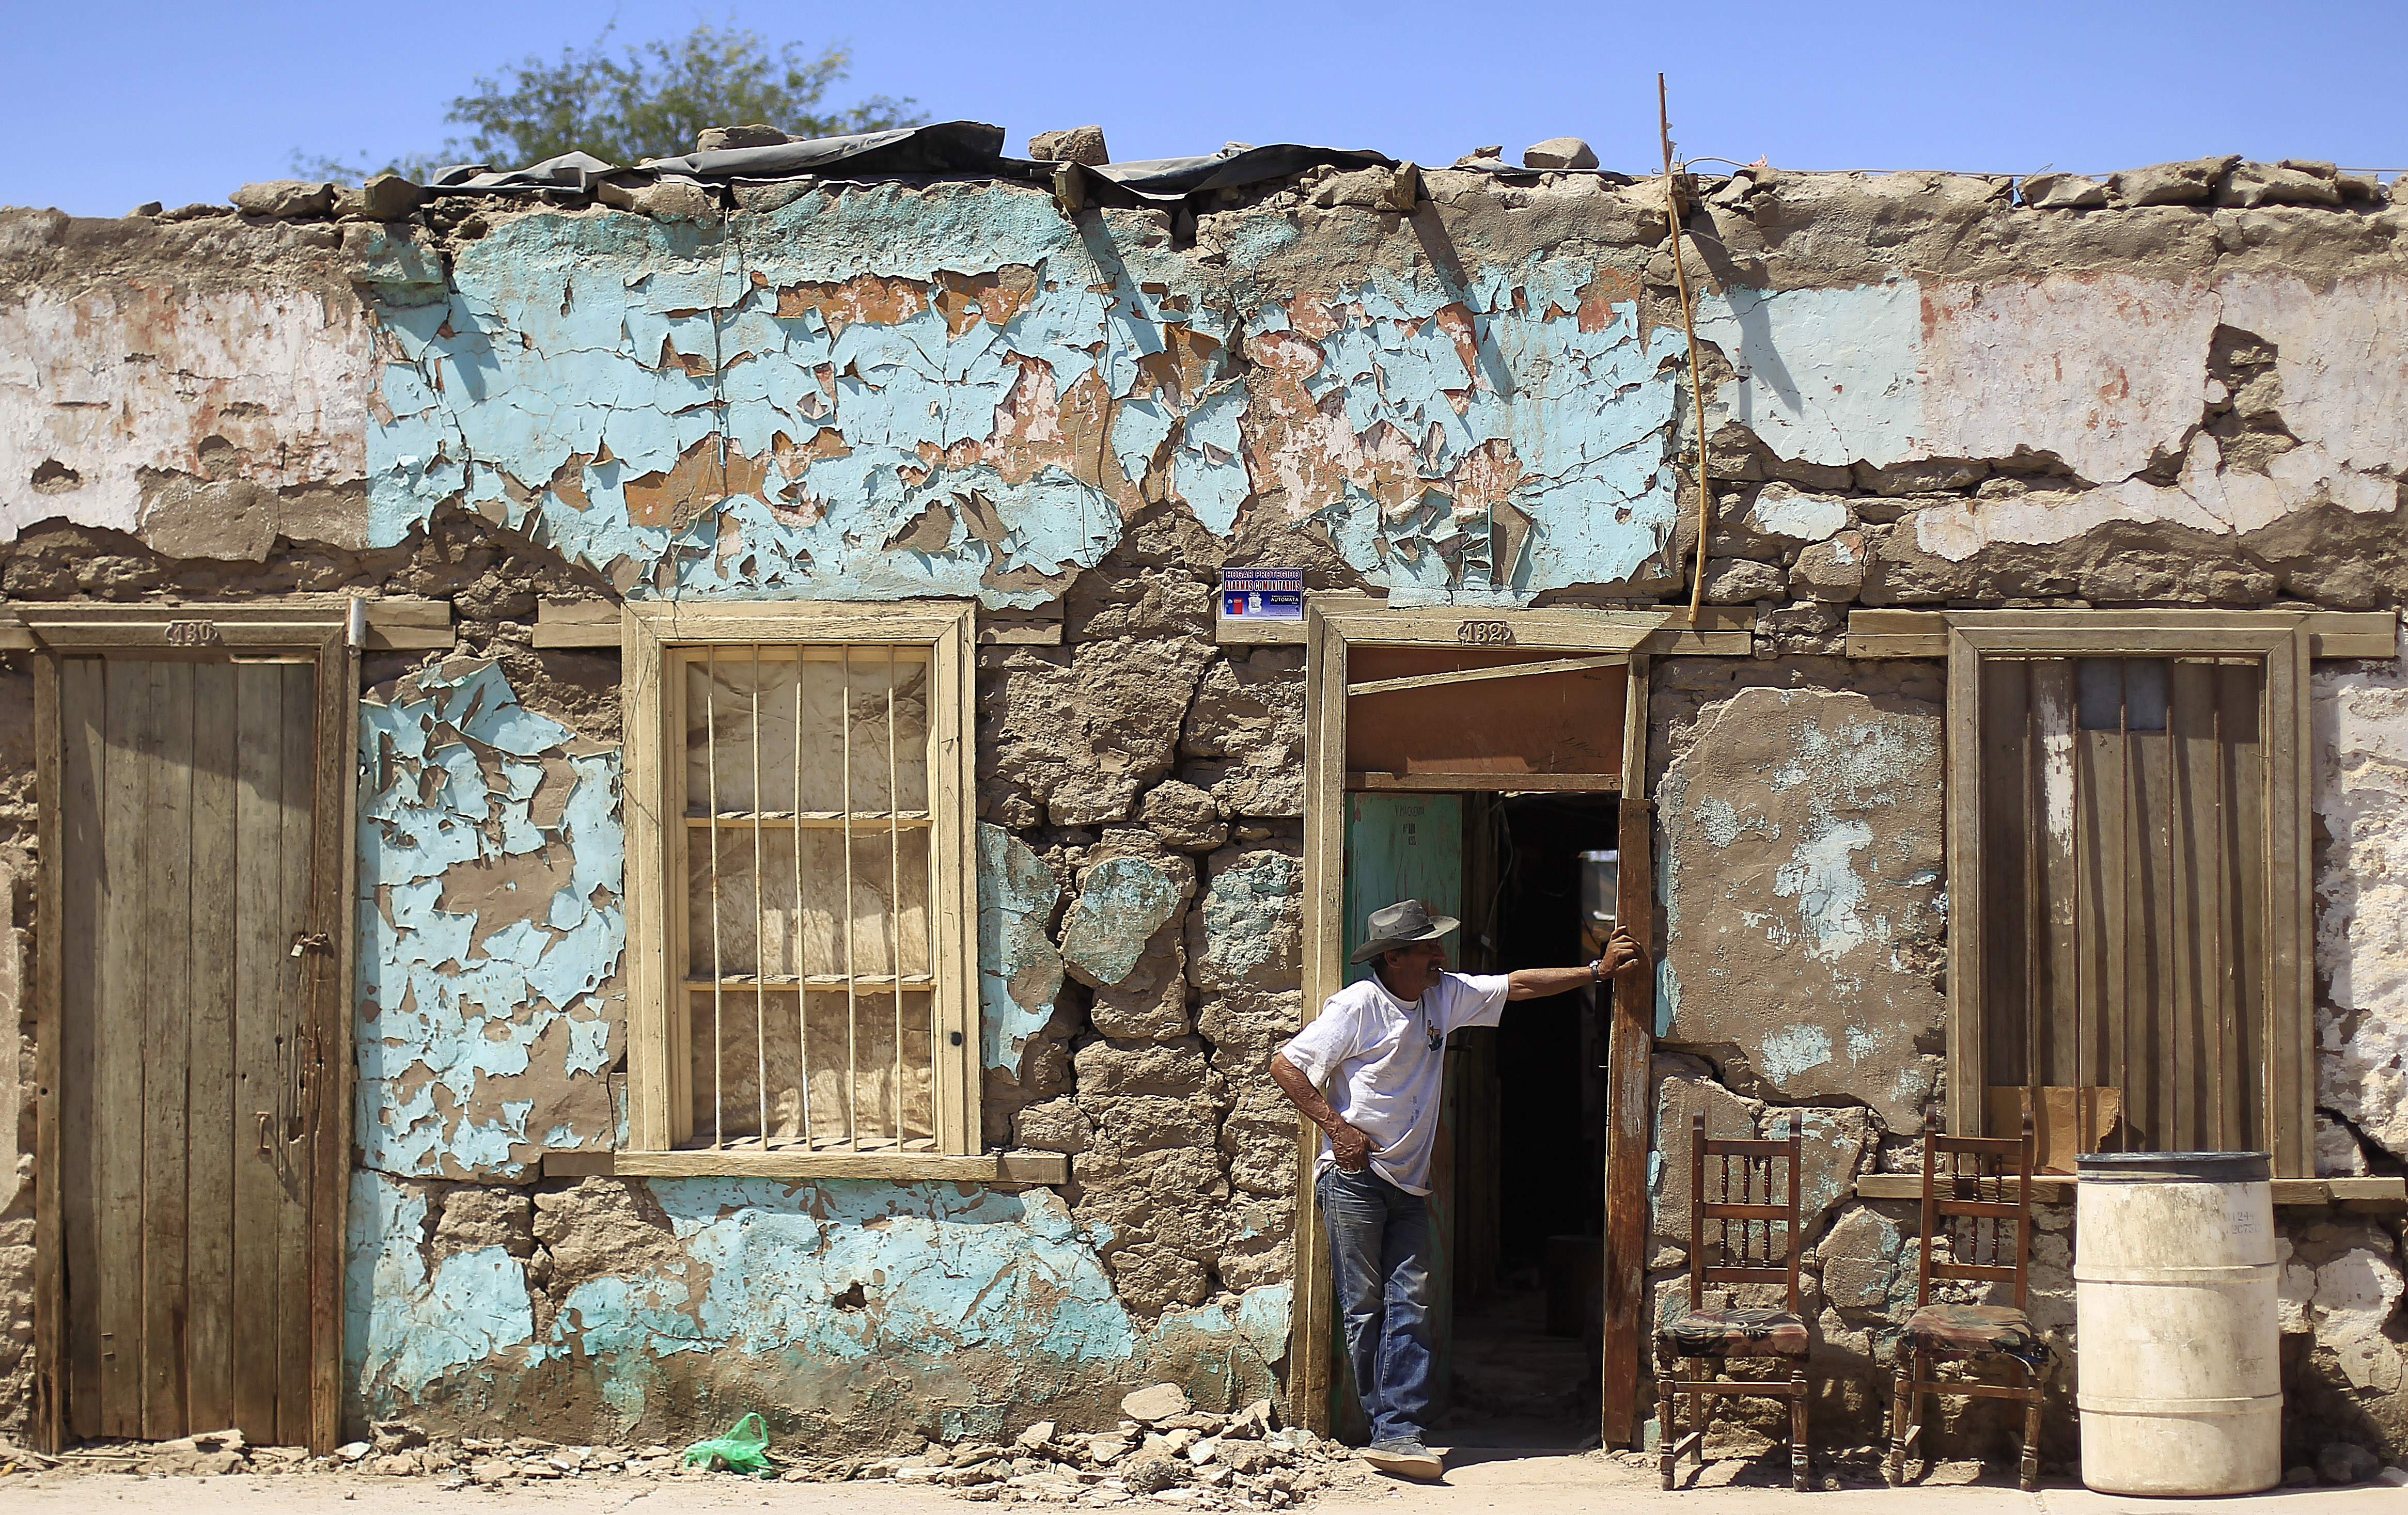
(1516, 1482)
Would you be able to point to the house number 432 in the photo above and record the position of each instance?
(1485, 633)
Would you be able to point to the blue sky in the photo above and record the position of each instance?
(115, 102)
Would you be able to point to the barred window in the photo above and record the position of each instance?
(808, 1006)
(810, 990)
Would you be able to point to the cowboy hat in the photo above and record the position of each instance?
(1400, 925)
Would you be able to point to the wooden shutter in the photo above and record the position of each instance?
(2127, 862)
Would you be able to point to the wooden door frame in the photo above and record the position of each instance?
(330, 631)
(1627, 636)
(2283, 641)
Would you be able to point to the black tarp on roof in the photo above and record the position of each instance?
(944, 150)
(1171, 179)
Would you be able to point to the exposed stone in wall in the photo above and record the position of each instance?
(18, 1147)
(2359, 721)
(1245, 931)
(852, 1314)
(2341, 1284)
(1156, 581)
(1244, 734)
(1074, 733)
(1151, 1184)
(1122, 936)
(1183, 816)
(1802, 872)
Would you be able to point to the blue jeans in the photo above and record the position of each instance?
(1378, 1250)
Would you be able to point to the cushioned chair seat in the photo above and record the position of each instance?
(1971, 1330)
(1735, 1333)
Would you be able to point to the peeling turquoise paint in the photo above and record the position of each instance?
(1792, 1050)
(645, 397)
(1585, 414)
(1825, 376)
(405, 1325)
(577, 354)
(1020, 969)
(1122, 903)
(489, 1014)
(1243, 910)
(807, 1291)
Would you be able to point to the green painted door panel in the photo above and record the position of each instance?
(1408, 846)
(1401, 847)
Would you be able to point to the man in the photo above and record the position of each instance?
(1380, 1045)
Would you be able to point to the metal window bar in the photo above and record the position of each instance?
(895, 911)
(801, 962)
(717, 956)
(796, 1116)
(852, 995)
(928, 889)
(760, 922)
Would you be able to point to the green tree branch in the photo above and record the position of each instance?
(642, 100)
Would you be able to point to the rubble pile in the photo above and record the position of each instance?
(1163, 1447)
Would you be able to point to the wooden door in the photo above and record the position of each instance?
(194, 967)
(2126, 984)
(1560, 733)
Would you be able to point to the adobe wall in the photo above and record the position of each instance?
(1923, 390)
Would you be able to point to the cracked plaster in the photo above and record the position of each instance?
(879, 393)
(141, 386)
(833, 1301)
(1799, 874)
(491, 930)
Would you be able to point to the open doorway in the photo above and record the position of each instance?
(1413, 704)
(1529, 1129)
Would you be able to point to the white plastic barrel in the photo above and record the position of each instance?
(2174, 1278)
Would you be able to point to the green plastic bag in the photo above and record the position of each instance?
(740, 1450)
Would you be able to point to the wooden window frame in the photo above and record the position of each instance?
(651, 632)
(1583, 636)
(330, 631)
(2284, 641)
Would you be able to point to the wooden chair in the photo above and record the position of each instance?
(1754, 1197)
(1964, 1195)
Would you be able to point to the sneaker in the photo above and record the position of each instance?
(1407, 1458)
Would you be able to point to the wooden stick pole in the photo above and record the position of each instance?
(1689, 327)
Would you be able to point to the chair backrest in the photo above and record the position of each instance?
(1965, 1195)
(1751, 1193)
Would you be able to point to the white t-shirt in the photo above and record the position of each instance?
(1372, 1052)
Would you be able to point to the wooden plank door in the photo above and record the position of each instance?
(194, 945)
(2125, 806)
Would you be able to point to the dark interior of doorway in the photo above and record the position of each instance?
(1530, 1131)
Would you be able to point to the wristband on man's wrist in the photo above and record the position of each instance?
(1597, 970)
